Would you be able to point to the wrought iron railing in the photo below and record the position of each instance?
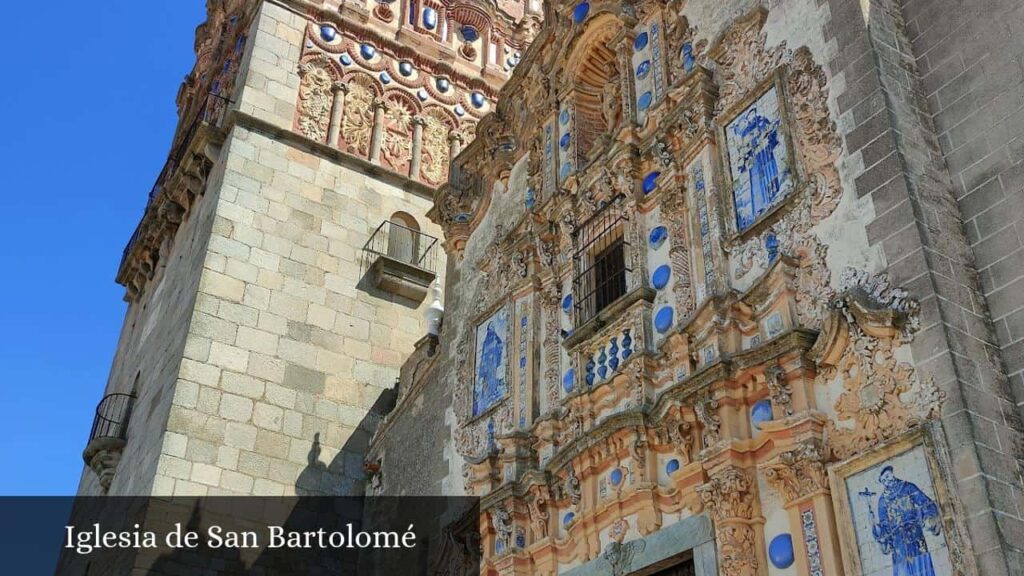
(212, 112)
(112, 416)
(601, 261)
(403, 244)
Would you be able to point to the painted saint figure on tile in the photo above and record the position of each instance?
(758, 159)
(904, 513)
(897, 519)
(491, 362)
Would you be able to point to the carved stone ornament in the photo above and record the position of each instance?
(798, 472)
(729, 497)
(779, 389)
(501, 519)
(727, 494)
(537, 505)
(706, 410)
(882, 396)
(316, 96)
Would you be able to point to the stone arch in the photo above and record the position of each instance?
(404, 237)
(357, 121)
(439, 123)
(593, 71)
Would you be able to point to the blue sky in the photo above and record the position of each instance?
(88, 100)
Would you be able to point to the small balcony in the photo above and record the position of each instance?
(108, 436)
(401, 260)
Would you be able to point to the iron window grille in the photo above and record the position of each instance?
(601, 261)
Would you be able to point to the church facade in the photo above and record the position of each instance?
(705, 308)
(730, 287)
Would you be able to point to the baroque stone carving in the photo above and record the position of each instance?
(882, 396)
(779, 389)
(357, 123)
(728, 495)
(798, 472)
(316, 96)
(706, 411)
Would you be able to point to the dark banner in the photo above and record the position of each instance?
(266, 536)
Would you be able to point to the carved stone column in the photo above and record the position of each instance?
(417, 147)
(377, 136)
(454, 143)
(799, 476)
(340, 89)
(676, 215)
(729, 495)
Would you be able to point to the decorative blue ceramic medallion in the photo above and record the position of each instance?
(462, 218)
(429, 18)
(405, 68)
(563, 117)
(469, 33)
(671, 466)
(422, 95)
(660, 277)
(640, 42)
(663, 320)
(564, 141)
(328, 33)
(627, 344)
(345, 59)
(760, 412)
(477, 99)
(442, 84)
(650, 182)
(367, 51)
(644, 102)
(568, 380)
(780, 551)
(459, 110)
(567, 303)
(568, 518)
(580, 12)
(590, 372)
(643, 69)
(385, 78)
(615, 477)
(657, 237)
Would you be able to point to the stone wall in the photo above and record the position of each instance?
(266, 351)
(920, 230)
(150, 349)
(289, 347)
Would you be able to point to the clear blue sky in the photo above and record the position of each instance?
(87, 97)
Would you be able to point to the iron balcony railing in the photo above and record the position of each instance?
(403, 244)
(112, 416)
(212, 112)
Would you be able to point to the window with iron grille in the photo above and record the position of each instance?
(600, 262)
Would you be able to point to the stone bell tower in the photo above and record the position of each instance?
(278, 277)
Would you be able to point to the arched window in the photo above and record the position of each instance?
(403, 238)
